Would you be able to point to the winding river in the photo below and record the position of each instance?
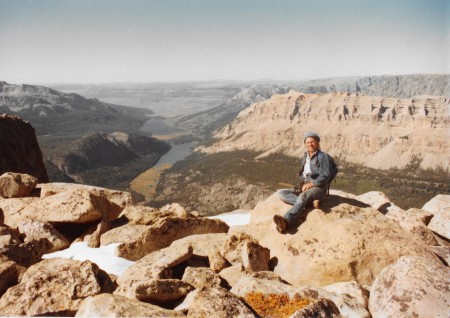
(146, 182)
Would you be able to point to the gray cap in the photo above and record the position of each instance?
(311, 134)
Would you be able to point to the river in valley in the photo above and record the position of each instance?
(146, 182)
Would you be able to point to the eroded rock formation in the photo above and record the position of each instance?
(377, 132)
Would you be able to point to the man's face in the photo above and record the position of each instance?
(312, 145)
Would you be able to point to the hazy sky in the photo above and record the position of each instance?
(94, 41)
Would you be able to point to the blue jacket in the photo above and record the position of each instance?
(320, 171)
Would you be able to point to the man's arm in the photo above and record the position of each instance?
(324, 171)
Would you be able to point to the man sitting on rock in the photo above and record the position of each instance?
(315, 175)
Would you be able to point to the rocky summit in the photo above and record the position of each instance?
(378, 132)
(355, 256)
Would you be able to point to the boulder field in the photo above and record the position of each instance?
(355, 256)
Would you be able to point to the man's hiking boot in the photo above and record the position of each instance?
(281, 223)
(316, 204)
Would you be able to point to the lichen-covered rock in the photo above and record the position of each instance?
(438, 203)
(233, 246)
(440, 223)
(10, 273)
(411, 287)
(25, 254)
(142, 215)
(415, 221)
(255, 258)
(442, 252)
(201, 276)
(351, 303)
(322, 308)
(11, 209)
(156, 291)
(54, 287)
(218, 302)
(377, 200)
(16, 185)
(76, 206)
(346, 243)
(233, 274)
(202, 244)
(109, 305)
(163, 233)
(110, 202)
(156, 265)
(33, 230)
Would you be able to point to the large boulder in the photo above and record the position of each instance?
(20, 150)
(218, 302)
(161, 234)
(411, 287)
(71, 203)
(208, 246)
(440, 207)
(322, 308)
(155, 266)
(342, 241)
(16, 185)
(201, 276)
(349, 297)
(242, 248)
(415, 221)
(440, 223)
(10, 273)
(73, 206)
(377, 200)
(25, 254)
(12, 208)
(164, 292)
(54, 287)
(33, 230)
(438, 203)
(109, 305)
(110, 201)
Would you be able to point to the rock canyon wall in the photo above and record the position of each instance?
(377, 132)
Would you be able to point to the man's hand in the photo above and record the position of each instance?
(307, 186)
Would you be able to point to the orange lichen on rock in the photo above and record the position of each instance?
(276, 305)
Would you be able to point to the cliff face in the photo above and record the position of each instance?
(374, 131)
(19, 149)
(401, 86)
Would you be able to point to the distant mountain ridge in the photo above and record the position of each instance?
(400, 86)
(48, 111)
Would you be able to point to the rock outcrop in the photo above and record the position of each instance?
(55, 288)
(108, 305)
(413, 286)
(20, 150)
(193, 266)
(339, 242)
(400, 129)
